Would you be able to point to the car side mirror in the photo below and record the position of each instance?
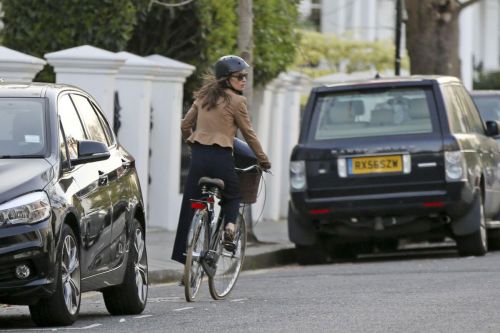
(90, 151)
(492, 127)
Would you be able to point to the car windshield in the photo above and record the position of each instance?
(489, 106)
(371, 113)
(22, 127)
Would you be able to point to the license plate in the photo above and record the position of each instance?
(375, 164)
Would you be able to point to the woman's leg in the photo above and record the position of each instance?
(191, 190)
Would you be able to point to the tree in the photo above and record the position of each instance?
(36, 27)
(197, 33)
(432, 35)
(275, 38)
(322, 54)
(204, 30)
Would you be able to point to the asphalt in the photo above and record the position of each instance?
(271, 249)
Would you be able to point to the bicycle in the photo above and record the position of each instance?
(206, 253)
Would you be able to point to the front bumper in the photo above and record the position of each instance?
(32, 245)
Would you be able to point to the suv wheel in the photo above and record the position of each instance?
(130, 297)
(475, 244)
(63, 306)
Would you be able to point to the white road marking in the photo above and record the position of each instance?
(82, 328)
(239, 300)
(143, 316)
(122, 320)
(163, 299)
(186, 308)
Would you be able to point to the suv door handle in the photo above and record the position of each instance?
(103, 179)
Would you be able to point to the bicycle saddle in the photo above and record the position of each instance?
(211, 181)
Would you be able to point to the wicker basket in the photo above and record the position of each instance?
(249, 186)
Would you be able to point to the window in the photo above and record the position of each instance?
(71, 124)
(107, 130)
(89, 118)
(456, 120)
(22, 129)
(470, 111)
(62, 146)
(374, 112)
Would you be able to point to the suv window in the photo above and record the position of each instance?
(71, 123)
(470, 110)
(372, 113)
(89, 118)
(456, 117)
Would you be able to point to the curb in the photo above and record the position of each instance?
(276, 258)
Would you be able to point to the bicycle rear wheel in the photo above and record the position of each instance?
(229, 264)
(193, 271)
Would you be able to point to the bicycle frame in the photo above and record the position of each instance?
(207, 251)
(208, 258)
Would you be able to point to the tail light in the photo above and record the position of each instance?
(455, 166)
(298, 175)
(197, 205)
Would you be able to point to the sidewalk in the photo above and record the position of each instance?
(273, 249)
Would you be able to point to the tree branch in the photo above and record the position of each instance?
(467, 3)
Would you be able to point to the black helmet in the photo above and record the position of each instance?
(229, 64)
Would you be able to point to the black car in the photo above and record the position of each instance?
(390, 159)
(71, 211)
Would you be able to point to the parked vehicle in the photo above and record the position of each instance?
(71, 210)
(387, 159)
(488, 103)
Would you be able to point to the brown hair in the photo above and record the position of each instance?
(211, 90)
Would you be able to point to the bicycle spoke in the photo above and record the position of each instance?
(193, 272)
(228, 265)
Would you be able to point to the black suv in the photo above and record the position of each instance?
(387, 159)
(71, 210)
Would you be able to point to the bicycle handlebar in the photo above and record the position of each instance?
(250, 168)
(253, 167)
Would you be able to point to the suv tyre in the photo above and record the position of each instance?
(475, 244)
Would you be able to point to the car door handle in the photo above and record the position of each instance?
(103, 179)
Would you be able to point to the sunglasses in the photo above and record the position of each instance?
(241, 76)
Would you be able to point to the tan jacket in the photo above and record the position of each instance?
(219, 125)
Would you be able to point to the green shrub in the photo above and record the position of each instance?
(37, 27)
(487, 81)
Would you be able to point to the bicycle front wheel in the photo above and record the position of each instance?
(193, 271)
(229, 263)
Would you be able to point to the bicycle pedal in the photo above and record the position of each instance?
(230, 247)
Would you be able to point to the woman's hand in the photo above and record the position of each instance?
(265, 165)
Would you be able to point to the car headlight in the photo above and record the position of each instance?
(298, 175)
(29, 208)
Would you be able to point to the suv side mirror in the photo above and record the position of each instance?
(492, 127)
(90, 151)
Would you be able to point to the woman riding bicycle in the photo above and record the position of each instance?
(218, 111)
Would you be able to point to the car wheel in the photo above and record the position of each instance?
(310, 254)
(130, 297)
(475, 244)
(63, 306)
